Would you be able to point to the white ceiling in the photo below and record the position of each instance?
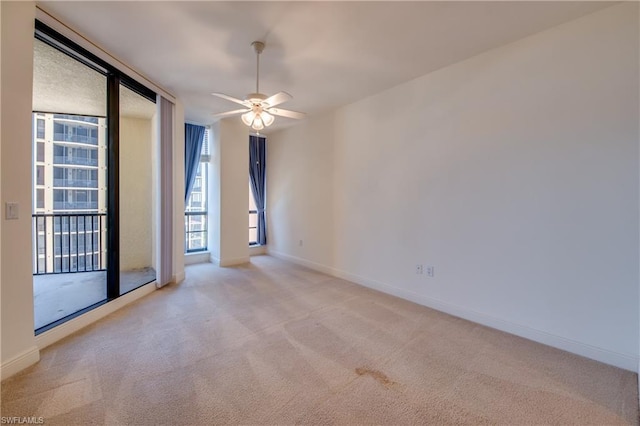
(325, 54)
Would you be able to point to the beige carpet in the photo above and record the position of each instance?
(273, 343)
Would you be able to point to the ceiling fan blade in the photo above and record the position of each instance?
(277, 99)
(229, 113)
(231, 98)
(286, 113)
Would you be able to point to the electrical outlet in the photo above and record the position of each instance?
(430, 271)
(419, 269)
(300, 243)
(11, 211)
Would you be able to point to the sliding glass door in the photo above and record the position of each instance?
(94, 164)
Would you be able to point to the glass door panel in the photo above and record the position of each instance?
(69, 185)
(137, 195)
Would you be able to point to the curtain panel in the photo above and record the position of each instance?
(257, 171)
(166, 191)
(193, 137)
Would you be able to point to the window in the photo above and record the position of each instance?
(196, 215)
(257, 187)
(40, 198)
(40, 132)
(253, 218)
(39, 175)
(40, 152)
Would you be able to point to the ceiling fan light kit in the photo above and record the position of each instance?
(259, 112)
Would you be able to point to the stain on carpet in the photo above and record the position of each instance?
(377, 375)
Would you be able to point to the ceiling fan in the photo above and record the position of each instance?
(259, 109)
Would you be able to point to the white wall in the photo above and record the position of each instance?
(300, 173)
(229, 193)
(514, 173)
(213, 194)
(18, 343)
(137, 215)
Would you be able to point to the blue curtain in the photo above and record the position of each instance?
(257, 169)
(193, 137)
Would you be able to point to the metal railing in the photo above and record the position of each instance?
(83, 118)
(75, 183)
(75, 161)
(75, 205)
(69, 242)
(72, 137)
(195, 235)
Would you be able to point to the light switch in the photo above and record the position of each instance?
(11, 210)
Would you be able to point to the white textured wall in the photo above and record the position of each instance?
(514, 173)
(136, 188)
(16, 292)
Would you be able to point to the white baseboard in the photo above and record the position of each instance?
(178, 277)
(49, 337)
(257, 250)
(625, 361)
(233, 262)
(303, 262)
(193, 258)
(20, 362)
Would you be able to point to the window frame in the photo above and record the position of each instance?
(203, 176)
(252, 202)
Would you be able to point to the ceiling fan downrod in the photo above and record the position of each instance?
(258, 46)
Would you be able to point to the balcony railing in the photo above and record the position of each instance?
(70, 137)
(67, 242)
(83, 118)
(76, 161)
(75, 205)
(75, 183)
(195, 225)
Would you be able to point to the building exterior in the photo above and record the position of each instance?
(69, 193)
(196, 214)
